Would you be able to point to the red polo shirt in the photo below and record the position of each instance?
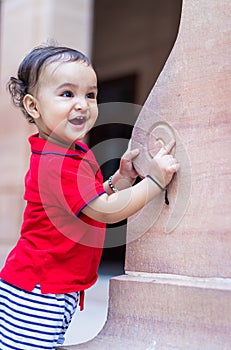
(59, 247)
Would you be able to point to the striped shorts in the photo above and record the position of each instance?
(32, 320)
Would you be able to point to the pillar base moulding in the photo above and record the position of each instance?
(165, 313)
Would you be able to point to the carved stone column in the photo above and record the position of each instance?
(176, 293)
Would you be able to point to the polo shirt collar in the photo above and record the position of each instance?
(43, 147)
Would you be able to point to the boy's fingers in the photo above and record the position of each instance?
(129, 144)
(175, 167)
(129, 155)
(167, 148)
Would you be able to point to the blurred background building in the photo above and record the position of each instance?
(128, 42)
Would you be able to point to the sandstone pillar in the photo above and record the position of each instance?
(176, 293)
(25, 24)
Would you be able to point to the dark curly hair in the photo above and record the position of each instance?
(30, 68)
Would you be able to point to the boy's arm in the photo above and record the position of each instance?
(126, 175)
(114, 207)
(122, 204)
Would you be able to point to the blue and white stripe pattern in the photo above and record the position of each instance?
(34, 321)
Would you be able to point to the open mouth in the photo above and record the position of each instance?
(78, 121)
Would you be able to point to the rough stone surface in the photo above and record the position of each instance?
(190, 102)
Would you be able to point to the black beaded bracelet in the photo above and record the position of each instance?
(164, 189)
(114, 189)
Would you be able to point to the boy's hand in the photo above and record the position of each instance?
(164, 165)
(126, 168)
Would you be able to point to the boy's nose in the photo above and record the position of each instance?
(81, 104)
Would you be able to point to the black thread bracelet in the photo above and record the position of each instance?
(164, 189)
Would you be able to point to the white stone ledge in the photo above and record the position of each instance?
(199, 282)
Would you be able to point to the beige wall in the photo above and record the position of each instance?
(25, 24)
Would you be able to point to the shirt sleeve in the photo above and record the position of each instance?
(75, 183)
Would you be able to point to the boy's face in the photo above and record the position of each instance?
(65, 100)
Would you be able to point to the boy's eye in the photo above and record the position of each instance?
(91, 95)
(67, 94)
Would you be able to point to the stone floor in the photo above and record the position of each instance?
(87, 324)
(4, 250)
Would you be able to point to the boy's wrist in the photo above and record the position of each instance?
(127, 179)
(119, 181)
(163, 189)
(112, 187)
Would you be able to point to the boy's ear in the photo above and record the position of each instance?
(30, 105)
